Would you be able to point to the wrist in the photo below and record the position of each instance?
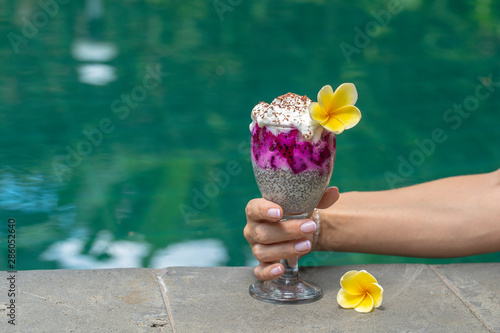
(328, 236)
(338, 223)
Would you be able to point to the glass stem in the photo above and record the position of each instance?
(291, 274)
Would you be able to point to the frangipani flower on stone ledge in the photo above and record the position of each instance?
(360, 290)
(335, 111)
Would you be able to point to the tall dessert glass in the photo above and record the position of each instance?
(292, 172)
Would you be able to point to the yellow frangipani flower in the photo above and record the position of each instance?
(360, 290)
(335, 111)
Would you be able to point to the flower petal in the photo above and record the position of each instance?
(334, 124)
(376, 292)
(348, 301)
(366, 305)
(349, 114)
(349, 284)
(365, 279)
(317, 112)
(345, 94)
(325, 98)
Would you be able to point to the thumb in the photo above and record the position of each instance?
(330, 196)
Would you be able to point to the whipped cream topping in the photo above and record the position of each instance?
(289, 110)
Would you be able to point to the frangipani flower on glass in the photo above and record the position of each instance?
(360, 291)
(335, 111)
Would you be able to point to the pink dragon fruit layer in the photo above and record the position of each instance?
(286, 150)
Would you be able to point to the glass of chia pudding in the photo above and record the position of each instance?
(291, 171)
(292, 160)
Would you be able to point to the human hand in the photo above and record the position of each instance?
(272, 240)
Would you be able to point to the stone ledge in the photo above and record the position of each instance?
(442, 298)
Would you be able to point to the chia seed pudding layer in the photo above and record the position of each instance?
(295, 193)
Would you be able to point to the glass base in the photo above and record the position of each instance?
(286, 291)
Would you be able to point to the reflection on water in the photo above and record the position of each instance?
(96, 74)
(201, 253)
(107, 161)
(92, 49)
(33, 193)
(105, 252)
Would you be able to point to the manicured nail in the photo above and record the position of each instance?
(274, 212)
(276, 271)
(303, 246)
(308, 227)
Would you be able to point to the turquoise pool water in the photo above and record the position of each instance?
(124, 124)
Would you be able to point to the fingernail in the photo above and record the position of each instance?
(274, 212)
(308, 227)
(276, 271)
(303, 246)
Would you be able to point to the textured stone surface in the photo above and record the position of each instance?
(417, 298)
(114, 300)
(478, 285)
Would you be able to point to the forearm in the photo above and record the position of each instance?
(450, 217)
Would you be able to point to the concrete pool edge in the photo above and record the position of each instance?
(445, 298)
